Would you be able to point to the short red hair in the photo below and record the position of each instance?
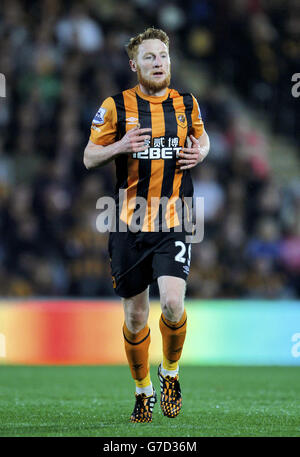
(149, 34)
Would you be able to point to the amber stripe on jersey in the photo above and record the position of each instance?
(180, 131)
(170, 166)
(157, 168)
(121, 161)
(132, 169)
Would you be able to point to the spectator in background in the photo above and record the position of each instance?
(207, 274)
(76, 30)
(264, 278)
(266, 242)
(207, 186)
(290, 254)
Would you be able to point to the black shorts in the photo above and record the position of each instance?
(138, 259)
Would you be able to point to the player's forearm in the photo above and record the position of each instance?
(96, 155)
(204, 142)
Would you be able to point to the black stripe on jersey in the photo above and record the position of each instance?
(120, 107)
(144, 165)
(169, 165)
(170, 132)
(188, 103)
(121, 161)
(187, 188)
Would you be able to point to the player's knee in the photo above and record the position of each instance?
(136, 320)
(172, 307)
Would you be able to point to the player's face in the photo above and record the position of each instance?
(153, 65)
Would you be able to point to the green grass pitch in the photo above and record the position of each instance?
(98, 400)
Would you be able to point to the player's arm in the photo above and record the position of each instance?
(196, 153)
(199, 142)
(203, 144)
(96, 155)
(102, 146)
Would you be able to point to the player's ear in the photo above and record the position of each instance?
(132, 64)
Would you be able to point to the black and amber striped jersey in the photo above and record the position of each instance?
(153, 173)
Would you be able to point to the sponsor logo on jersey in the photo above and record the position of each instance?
(163, 148)
(99, 116)
(156, 153)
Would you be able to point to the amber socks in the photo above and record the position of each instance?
(137, 353)
(173, 336)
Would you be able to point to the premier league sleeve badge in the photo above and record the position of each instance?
(99, 116)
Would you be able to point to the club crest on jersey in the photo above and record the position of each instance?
(99, 116)
(181, 120)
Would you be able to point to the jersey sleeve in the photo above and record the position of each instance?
(104, 124)
(197, 123)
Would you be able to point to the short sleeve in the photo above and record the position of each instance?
(104, 124)
(197, 123)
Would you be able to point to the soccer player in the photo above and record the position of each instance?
(155, 135)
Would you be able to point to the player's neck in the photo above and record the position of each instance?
(159, 93)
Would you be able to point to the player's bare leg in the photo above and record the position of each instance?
(173, 329)
(136, 310)
(137, 340)
(172, 292)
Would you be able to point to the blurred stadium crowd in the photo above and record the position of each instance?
(61, 59)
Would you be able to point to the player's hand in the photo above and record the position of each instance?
(135, 140)
(190, 157)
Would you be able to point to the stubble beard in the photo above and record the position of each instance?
(153, 86)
